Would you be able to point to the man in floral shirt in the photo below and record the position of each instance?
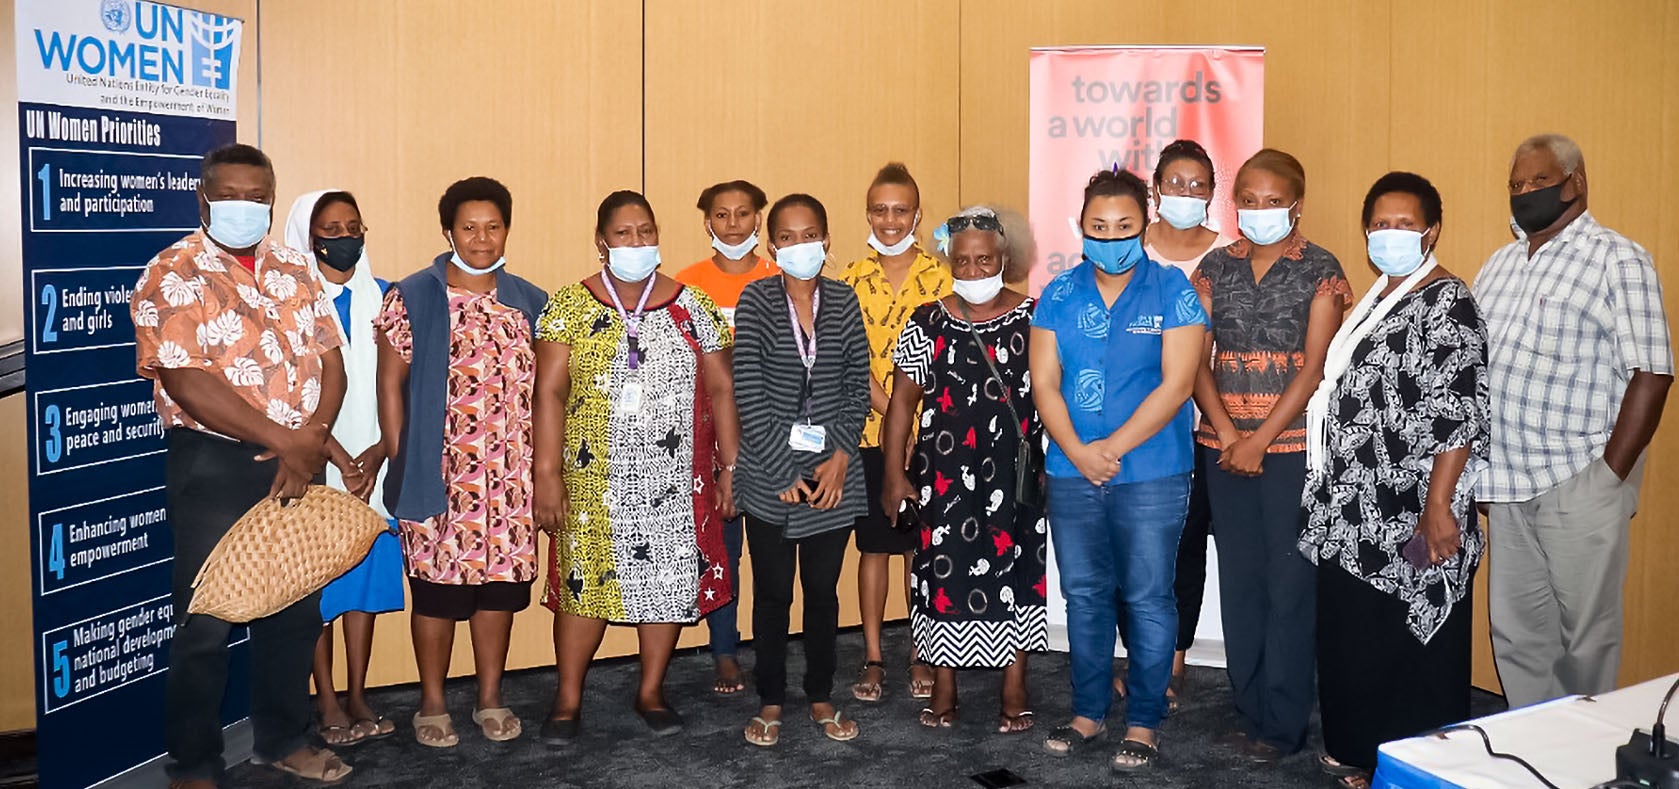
(245, 355)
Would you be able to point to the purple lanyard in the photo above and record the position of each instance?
(632, 323)
(807, 357)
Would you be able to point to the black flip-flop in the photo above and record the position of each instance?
(560, 731)
(1070, 737)
(663, 721)
(1144, 754)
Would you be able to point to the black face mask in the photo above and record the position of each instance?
(1539, 209)
(341, 253)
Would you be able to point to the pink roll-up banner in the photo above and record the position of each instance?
(1093, 108)
(1096, 107)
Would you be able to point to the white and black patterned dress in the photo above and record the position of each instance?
(1417, 387)
(979, 565)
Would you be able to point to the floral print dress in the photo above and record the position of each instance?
(486, 532)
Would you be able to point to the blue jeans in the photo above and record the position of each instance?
(724, 622)
(1113, 537)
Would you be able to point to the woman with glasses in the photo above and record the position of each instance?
(1179, 237)
(977, 597)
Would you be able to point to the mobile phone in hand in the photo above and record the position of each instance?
(1415, 551)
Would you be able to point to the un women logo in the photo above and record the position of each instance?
(116, 15)
(211, 57)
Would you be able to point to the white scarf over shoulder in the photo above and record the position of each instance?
(357, 426)
(1364, 319)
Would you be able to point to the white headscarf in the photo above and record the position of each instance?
(357, 426)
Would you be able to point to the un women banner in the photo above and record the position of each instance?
(117, 102)
(1093, 108)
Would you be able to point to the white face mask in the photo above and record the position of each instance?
(733, 251)
(978, 291)
(632, 264)
(903, 244)
(803, 261)
(455, 258)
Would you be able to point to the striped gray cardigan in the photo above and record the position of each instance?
(768, 380)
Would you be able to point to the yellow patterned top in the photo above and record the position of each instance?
(886, 312)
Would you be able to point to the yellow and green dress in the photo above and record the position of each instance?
(643, 541)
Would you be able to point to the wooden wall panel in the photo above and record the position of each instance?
(803, 97)
(395, 100)
(1602, 84)
(808, 97)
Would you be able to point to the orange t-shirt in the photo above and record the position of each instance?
(724, 288)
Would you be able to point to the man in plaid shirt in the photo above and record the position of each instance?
(1580, 363)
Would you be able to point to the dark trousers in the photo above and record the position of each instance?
(1268, 594)
(817, 559)
(724, 622)
(1376, 681)
(210, 483)
(1190, 585)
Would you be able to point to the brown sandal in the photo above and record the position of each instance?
(320, 765)
(935, 719)
(865, 690)
(435, 731)
(341, 736)
(377, 727)
(507, 724)
(920, 687)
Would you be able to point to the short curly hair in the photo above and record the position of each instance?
(472, 189)
(1405, 183)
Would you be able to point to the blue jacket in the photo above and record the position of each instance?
(414, 487)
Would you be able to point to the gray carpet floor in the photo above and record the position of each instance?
(616, 750)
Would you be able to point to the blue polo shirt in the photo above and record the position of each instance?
(1110, 362)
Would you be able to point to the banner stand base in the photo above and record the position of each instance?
(237, 740)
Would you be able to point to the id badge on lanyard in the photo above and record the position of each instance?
(630, 395)
(804, 436)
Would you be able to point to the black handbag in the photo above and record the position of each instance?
(1025, 493)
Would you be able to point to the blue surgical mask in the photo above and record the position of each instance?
(455, 258)
(1182, 212)
(1115, 255)
(632, 264)
(1396, 252)
(1265, 226)
(803, 261)
(239, 224)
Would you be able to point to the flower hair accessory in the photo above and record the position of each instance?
(941, 238)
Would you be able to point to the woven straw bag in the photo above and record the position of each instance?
(277, 555)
